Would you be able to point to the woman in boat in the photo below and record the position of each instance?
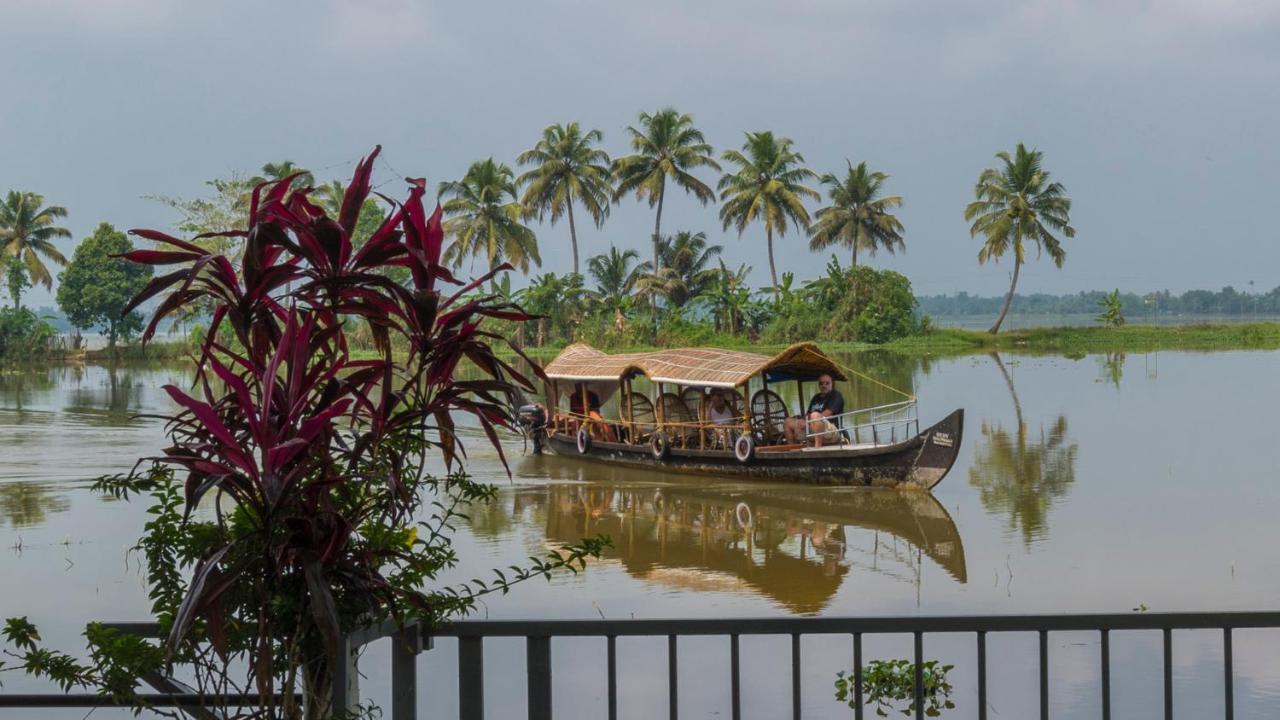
(600, 429)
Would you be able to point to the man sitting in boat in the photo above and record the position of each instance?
(600, 430)
(719, 413)
(818, 421)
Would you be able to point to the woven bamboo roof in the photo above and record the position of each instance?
(710, 367)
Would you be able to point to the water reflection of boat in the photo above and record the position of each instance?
(793, 547)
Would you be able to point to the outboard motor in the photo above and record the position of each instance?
(533, 421)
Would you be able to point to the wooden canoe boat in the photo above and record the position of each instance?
(875, 446)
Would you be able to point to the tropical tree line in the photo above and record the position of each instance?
(1136, 306)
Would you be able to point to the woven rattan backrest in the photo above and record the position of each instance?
(768, 415)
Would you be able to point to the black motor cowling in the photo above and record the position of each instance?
(533, 421)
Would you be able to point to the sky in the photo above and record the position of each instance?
(1161, 118)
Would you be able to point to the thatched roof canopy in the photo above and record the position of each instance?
(710, 367)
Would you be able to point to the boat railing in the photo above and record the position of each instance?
(879, 425)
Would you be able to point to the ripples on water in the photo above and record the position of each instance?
(1099, 483)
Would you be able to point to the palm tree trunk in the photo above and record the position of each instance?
(773, 271)
(1008, 300)
(854, 262)
(573, 231)
(657, 235)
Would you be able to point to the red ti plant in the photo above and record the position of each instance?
(309, 463)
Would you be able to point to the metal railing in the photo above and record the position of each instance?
(408, 642)
(880, 425)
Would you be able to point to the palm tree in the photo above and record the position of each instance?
(27, 231)
(615, 278)
(556, 300)
(765, 187)
(1017, 203)
(567, 168)
(728, 295)
(857, 217)
(283, 169)
(485, 218)
(666, 145)
(684, 273)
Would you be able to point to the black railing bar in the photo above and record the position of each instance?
(857, 676)
(42, 700)
(471, 678)
(795, 676)
(1168, 674)
(673, 675)
(866, 625)
(982, 675)
(1044, 675)
(919, 670)
(735, 678)
(538, 674)
(1106, 674)
(1228, 683)
(612, 651)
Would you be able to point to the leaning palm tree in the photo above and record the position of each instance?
(484, 218)
(1017, 203)
(857, 218)
(567, 168)
(27, 231)
(666, 145)
(767, 187)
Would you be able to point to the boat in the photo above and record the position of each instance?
(881, 445)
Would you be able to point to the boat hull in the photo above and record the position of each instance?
(919, 462)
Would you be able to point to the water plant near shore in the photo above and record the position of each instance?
(317, 515)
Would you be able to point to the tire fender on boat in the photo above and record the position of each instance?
(660, 446)
(584, 441)
(744, 449)
(743, 514)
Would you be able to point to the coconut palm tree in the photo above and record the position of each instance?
(1015, 204)
(728, 296)
(27, 231)
(616, 277)
(857, 218)
(684, 273)
(283, 169)
(567, 168)
(666, 145)
(767, 187)
(484, 218)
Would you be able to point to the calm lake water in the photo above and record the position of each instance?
(1103, 484)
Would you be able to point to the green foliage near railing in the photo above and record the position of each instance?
(888, 684)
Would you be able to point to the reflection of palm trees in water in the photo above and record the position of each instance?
(28, 504)
(1020, 475)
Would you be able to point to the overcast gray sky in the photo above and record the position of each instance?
(1161, 118)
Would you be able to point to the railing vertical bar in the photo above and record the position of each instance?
(1106, 674)
(405, 646)
(1228, 689)
(538, 671)
(857, 676)
(1044, 675)
(795, 676)
(471, 677)
(1168, 674)
(613, 676)
(982, 675)
(673, 695)
(919, 683)
(735, 677)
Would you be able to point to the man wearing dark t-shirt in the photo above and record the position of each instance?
(818, 420)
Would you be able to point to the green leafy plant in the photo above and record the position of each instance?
(1112, 314)
(887, 684)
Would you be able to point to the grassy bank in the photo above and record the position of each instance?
(1064, 340)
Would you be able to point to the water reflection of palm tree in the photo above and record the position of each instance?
(28, 504)
(1020, 475)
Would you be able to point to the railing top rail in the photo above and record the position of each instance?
(865, 625)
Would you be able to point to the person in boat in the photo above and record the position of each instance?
(600, 429)
(719, 413)
(821, 421)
